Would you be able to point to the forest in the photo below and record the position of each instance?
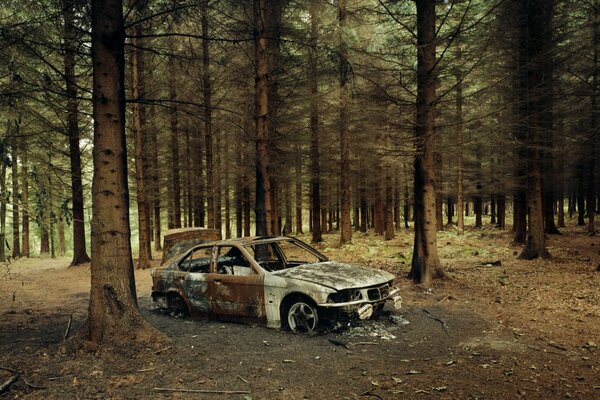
(453, 143)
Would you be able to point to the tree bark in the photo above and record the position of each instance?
(208, 139)
(3, 198)
(261, 101)
(346, 227)
(16, 246)
(298, 192)
(538, 36)
(314, 125)
(389, 209)
(113, 315)
(139, 138)
(460, 214)
(25, 250)
(425, 262)
(80, 255)
(175, 183)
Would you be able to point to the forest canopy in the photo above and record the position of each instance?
(283, 117)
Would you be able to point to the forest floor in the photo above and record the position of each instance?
(521, 329)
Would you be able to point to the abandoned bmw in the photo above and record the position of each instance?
(279, 281)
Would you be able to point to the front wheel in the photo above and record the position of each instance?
(302, 317)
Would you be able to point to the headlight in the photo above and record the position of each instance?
(344, 296)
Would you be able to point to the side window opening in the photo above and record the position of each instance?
(267, 256)
(231, 261)
(198, 261)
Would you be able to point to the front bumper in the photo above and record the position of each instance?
(363, 308)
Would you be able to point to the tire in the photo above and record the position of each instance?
(177, 305)
(301, 316)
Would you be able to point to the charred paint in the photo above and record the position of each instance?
(252, 293)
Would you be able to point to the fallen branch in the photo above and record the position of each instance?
(242, 379)
(161, 350)
(5, 387)
(31, 385)
(339, 343)
(146, 369)
(441, 321)
(368, 393)
(68, 327)
(364, 344)
(158, 389)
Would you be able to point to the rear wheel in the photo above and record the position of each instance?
(302, 316)
(177, 305)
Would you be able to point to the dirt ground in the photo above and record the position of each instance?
(521, 329)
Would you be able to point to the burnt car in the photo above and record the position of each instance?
(278, 281)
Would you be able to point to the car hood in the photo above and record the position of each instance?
(336, 275)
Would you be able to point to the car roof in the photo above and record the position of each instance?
(249, 240)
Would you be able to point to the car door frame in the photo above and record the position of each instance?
(239, 297)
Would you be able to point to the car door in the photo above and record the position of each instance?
(236, 287)
(196, 268)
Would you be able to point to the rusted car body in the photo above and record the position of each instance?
(278, 281)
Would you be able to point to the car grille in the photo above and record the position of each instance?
(378, 293)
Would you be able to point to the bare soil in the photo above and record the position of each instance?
(526, 329)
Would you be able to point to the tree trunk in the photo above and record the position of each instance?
(595, 119)
(25, 198)
(501, 220)
(460, 214)
(425, 262)
(16, 246)
(174, 184)
(298, 182)
(80, 255)
(439, 199)
(314, 130)
(450, 210)
(493, 210)
(139, 138)
(207, 96)
(389, 209)
(3, 199)
(217, 172)
(580, 197)
(261, 101)
(346, 227)
(538, 37)
(113, 315)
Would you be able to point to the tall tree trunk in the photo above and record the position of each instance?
(501, 220)
(315, 197)
(477, 200)
(460, 213)
(217, 170)
(425, 262)
(595, 122)
(3, 199)
(155, 181)
(580, 197)
(298, 197)
(208, 138)
(439, 199)
(346, 227)
(389, 209)
(538, 36)
(139, 138)
(174, 184)
(80, 255)
(25, 198)
(225, 166)
(16, 246)
(263, 182)
(113, 315)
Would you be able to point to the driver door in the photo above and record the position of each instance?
(236, 289)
